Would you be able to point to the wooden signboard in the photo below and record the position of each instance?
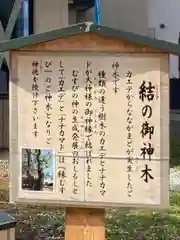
(88, 128)
(89, 123)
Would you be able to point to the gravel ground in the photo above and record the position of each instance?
(174, 179)
(35, 224)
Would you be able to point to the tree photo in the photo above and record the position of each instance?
(37, 169)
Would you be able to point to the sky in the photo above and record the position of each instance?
(50, 169)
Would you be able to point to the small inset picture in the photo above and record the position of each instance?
(37, 169)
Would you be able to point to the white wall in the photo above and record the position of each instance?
(50, 14)
(168, 13)
(128, 15)
(72, 15)
(88, 15)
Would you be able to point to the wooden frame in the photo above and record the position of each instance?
(15, 169)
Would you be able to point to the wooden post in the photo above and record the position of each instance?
(85, 224)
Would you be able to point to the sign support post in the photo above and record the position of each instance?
(85, 223)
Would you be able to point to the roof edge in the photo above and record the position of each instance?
(136, 39)
(45, 36)
(87, 27)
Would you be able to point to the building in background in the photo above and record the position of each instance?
(14, 22)
(154, 18)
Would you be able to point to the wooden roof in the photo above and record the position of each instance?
(89, 27)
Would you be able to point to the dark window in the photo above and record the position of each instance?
(23, 27)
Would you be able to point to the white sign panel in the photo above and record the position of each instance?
(90, 130)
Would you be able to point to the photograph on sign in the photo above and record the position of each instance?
(105, 116)
(37, 169)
